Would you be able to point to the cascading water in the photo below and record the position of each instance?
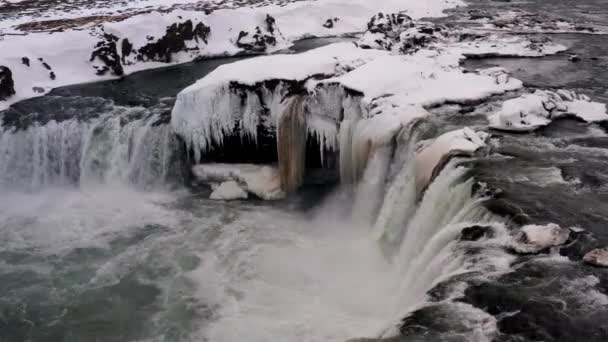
(111, 148)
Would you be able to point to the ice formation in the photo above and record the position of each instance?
(531, 111)
(351, 100)
(431, 159)
(259, 180)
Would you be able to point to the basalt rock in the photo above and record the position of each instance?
(475, 233)
(262, 37)
(172, 42)
(106, 52)
(7, 85)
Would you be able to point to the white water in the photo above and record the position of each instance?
(253, 273)
(100, 151)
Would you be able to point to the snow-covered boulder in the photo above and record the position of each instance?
(433, 156)
(398, 32)
(597, 257)
(228, 191)
(536, 238)
(7, 85)
(260, 180)
(531, 111)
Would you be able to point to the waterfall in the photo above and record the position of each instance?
(424, 254)
(107, 149)
(292, 133)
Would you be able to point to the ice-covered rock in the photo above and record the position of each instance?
(431, 159)
(260, 180)
(536, 238)
(7, 85)
(228, 191)
(597, 257)
(531, 111)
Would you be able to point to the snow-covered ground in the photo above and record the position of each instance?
(67, 46)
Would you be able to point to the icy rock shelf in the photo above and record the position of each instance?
(355, 99)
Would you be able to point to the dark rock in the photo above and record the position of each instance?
(38, 90)
(173, 41)
(475, 233)
(399, 32)
(329, 23)
(106, 52)
(574, 58)
(52, 76)
(126, 49)
(578, 244)
(261, 39)
(25, 61)
(46, 66)
(7, 85)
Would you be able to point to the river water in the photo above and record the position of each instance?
(100, 239)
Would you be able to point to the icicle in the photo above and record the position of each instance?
(325, 132)
(291, 144)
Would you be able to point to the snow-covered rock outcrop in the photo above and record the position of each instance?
(352, 101)
(398, 32)
(531, 111)
(67, 46)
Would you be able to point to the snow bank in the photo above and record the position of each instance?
(531, 111)
(107, 43)
(260, 180)
(431, 159)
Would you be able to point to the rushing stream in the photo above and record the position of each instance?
(103, 239)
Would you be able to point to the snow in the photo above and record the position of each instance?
(463, 141)
(535, 238)
(228, 191)
(531, 111)
(71, 62)
(260, 180)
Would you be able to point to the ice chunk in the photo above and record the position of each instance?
(260, 180)
(531, 111)
(228, 191)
